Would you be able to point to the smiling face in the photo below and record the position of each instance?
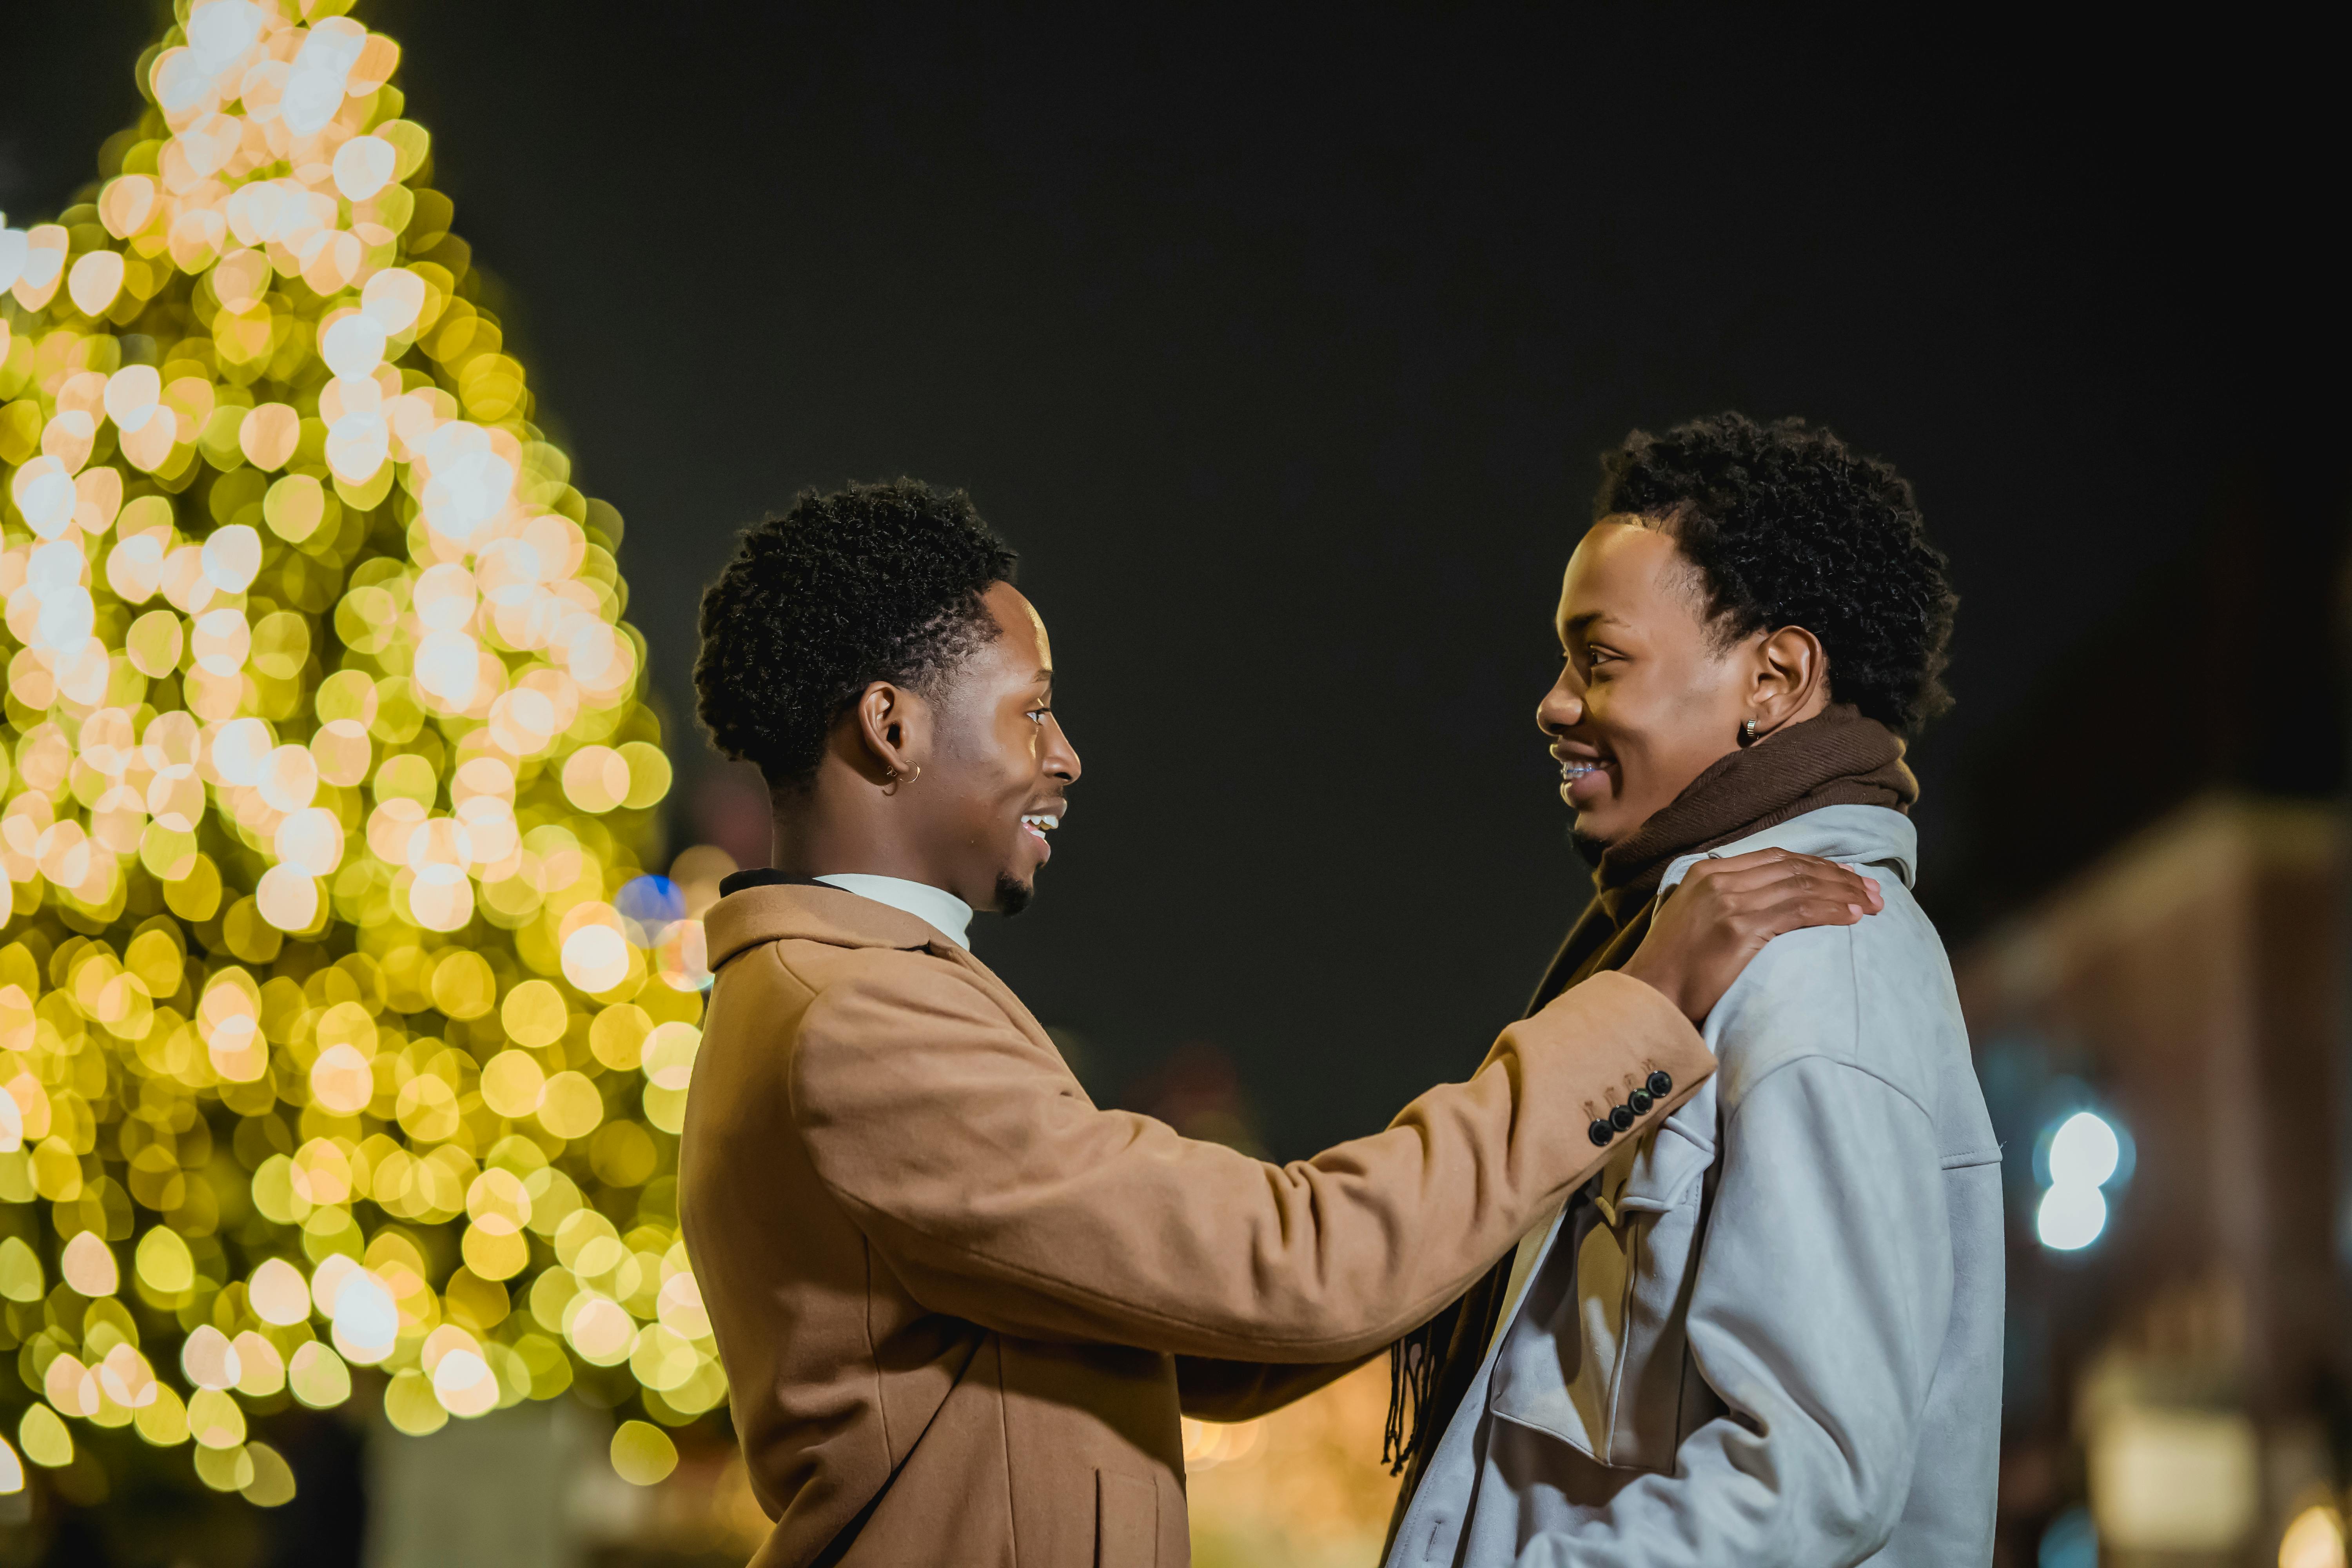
(1646, 699)
(996, 779)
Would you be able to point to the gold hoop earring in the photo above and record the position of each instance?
(891, 780)
(1747, 733)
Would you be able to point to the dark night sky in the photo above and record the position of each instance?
(1284, 349)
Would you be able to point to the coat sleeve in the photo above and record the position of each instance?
(997, 1192)
(1817, 1316)
(1243, 1391)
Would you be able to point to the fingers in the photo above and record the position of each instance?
(1869, 883)
(1767, 869)
(1778, 917)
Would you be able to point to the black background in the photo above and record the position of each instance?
(1282, 344)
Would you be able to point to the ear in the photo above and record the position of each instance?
(1790, 674)
(893, 727)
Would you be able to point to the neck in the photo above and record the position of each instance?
(796, 850)
(813, 837)
(1837, 758)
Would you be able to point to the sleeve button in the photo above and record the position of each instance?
(1641, 1100)
(1622, 1119)
(1661, 1084)
(1600, 1132)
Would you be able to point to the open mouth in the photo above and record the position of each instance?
(1037, 824)
(1583, 780)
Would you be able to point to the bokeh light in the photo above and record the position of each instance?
(2083, 1152)
(2070, 1217)
(343, 1030)
(2080, 1155)
(2314, 1539)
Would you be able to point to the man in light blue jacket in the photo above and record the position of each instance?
(1769, 1332)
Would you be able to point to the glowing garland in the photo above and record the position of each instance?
(339, 1027)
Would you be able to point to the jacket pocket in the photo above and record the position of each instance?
(1596, 1357)
(1664, 1214)
(1126, 1521)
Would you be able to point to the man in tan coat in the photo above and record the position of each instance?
(960, 1306)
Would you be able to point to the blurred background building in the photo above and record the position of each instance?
(2152, 954)
(2160, 1042)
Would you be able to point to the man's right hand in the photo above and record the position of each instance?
(1706, 932)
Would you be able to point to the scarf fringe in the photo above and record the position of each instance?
(1412, 1384)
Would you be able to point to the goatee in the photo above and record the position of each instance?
(1013, 897)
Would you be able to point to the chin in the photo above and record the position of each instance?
(1597, 827)
(1588, 846)
(1013, 895)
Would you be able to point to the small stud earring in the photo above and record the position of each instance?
(1747, 733)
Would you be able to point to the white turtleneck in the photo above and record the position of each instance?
(943, 911)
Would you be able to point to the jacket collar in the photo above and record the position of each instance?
(812, 912)
(1858, 835)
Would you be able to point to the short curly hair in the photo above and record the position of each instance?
(879, 581)
(1787, 526)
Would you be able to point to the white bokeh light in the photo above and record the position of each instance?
(2083, 1152)
(2070, 1217)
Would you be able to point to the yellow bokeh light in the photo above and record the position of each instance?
(534, 1014)
(164, 1263)
(2314, 1539)
(44, 1438)
(272, 1482)
(88, 1265)
(512, 1083)
(225, 1467)
(325, 780)
(600, 1329)
(643, 1454)
(409, 1404)
(278, 1294)
(570, 1106)
(595, 958)
(669, 1055)
(596, 778)
(317, 1377)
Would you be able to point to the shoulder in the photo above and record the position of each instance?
(863, 990)
(1877, 997)
(818, 995)
(881, 1029)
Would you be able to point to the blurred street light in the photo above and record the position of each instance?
(2070, 1217)
(2083, 1152)
(2082, 1155)
(2316, 1540)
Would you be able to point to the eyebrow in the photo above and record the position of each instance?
(1590, 619)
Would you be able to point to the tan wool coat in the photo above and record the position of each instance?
(961, 1307)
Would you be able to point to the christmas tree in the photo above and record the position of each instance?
(344, 1038)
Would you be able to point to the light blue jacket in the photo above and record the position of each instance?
(1770, 1333)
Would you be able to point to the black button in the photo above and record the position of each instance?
(1661, 1085)
(1641, 1102)
(1600, 1132)
(1622, 1119)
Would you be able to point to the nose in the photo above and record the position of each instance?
(1562, 707)
(1061, 757)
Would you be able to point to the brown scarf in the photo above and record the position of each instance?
(1839, 758)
